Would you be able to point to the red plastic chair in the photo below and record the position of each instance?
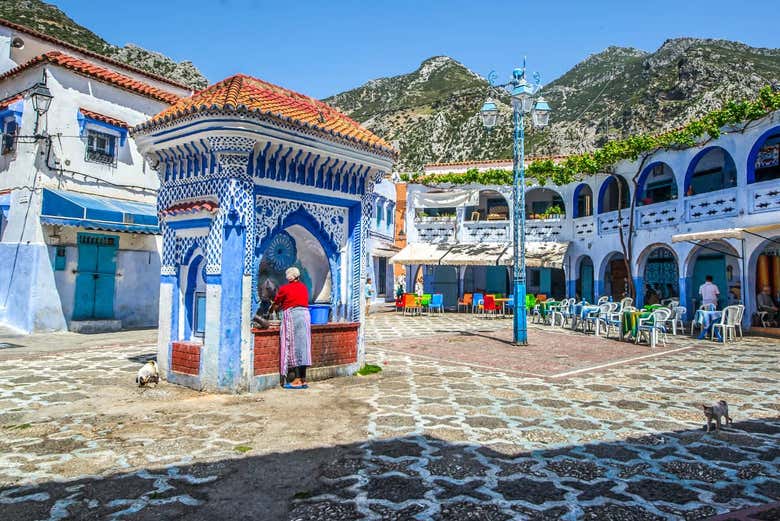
(490, 305)
(399, 303)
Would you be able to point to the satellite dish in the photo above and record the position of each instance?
(17, 43)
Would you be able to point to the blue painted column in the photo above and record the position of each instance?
(231, 316)
(639, 286)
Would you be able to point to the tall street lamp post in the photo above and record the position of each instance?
(522, 94)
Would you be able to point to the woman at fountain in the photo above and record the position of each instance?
(295, 329)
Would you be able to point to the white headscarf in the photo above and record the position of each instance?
(292, 273)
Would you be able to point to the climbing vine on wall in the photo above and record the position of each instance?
(711, 125)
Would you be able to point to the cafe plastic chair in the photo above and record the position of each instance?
(437, 303)
(727, 324)
(653, 325)
(602, 299)
(738, 325)
(411, 304)
(489, 305)
(476, 300)
(466, 302)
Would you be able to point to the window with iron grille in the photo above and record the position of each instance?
(9, 128)
(101, 147)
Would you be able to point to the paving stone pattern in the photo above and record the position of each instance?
(433, 440)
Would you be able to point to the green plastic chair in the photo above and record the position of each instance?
(530, 302)
(426, 299)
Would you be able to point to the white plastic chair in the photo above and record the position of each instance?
(677, 318)
(727, 324)
(602, 300)
(653, 325)
(741, 314)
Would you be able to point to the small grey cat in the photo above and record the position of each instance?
(716, 411)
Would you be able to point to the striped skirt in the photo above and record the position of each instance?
(295, 339)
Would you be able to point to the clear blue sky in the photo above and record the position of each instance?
(327, 46)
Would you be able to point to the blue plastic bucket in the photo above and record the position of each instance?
(319, 313)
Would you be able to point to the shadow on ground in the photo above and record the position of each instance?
(673, 475)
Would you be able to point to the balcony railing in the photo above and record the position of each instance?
(657, 215)
(764, 197)
(712, 205)
(548, 229)
(486, 231)
(584, 227)
(609, 223)
(436, 231)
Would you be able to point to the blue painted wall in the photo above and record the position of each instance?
(229, 364)
(28, 294)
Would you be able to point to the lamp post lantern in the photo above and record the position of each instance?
(522, 94)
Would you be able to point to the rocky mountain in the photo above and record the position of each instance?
(432, 113)
(50, 20)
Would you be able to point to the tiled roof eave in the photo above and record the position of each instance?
(91, 54)
(104, 75)
(169, 120)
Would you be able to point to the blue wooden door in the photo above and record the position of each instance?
(95, 277)
(586, 280)
(714, 265)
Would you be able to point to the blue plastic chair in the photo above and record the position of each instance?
(476, 300)
(437, 303)
(510, 304)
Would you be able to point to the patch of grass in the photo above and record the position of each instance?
(17, 427)
(369, 369)
(304, 494)
(242, 448)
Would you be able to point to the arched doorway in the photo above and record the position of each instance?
(584, 286)
(613, 193)
(656, 184)
(720, 260)
(583, 201)
(764, 271)
(661, 276)
(710, 170)
(544, 203)
(491, 206)
(615, 276)
(764, 158)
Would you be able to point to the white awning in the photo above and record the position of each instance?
(727, 233)
(540, 254)
(484, 254)
(384, 252)
(448, 199)
(421, 253)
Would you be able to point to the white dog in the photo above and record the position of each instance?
(147, 374)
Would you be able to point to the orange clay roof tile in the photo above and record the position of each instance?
(100, 73)
(105, 119)
(255, 95)
(87, 52)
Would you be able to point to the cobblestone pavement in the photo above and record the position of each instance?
(422, 440)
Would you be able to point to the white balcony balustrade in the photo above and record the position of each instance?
(764, 197)
(711, 205)
(485, 231)
(657, 215)
(584, 227)
(609, 223)
(547, 229)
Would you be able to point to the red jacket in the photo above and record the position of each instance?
(291, 295)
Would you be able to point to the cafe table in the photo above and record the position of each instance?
(629, 322)
(707, 319)
(502, 301)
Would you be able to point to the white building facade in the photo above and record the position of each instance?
(80, 241)
(381, 242)
(707, 210)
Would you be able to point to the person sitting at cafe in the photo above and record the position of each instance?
(765, 303)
